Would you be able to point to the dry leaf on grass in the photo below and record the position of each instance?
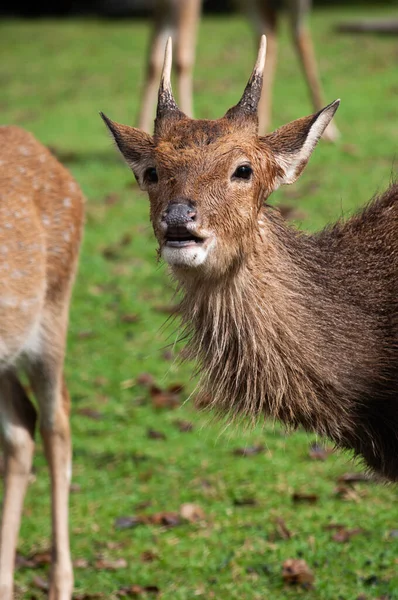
(167, 309)
(90, 413)
(282, 529)
(192, 512)
(40, 583)
(344, 535)
(249, 450)
(130, 318)
(148, 556)
(183, 426)
(34, 561)
(304, 497)
(104, 564)
(354, 478)
(319, 452)
(145, 379)
(137, 590)
(152, 434)
(295, 571)
(168, 398)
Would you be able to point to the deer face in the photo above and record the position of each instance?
(207, 180)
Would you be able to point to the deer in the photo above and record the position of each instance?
(41, 221)
(180, 19)
(285, 325)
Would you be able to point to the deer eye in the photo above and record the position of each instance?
(150, 175)
(243, 172)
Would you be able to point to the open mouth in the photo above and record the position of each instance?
(178, 236)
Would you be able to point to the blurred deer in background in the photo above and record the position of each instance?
(41, 218)
(302, 328)
(179, 19)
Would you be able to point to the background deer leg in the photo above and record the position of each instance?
(299, 9)
(17, 425)
(188, 19)
(163, 28)
(52, 395)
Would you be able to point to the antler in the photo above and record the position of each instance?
(248, 104)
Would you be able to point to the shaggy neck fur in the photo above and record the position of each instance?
(305, 331)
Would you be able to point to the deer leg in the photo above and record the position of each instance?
(53, 399)
(305, 51)
(188, 18)
(17, 425)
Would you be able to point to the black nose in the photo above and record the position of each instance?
(179, 213)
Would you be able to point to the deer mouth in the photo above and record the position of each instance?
(178, 236)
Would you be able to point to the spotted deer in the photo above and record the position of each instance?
(41, 216)
(180, 18)
(302, 328)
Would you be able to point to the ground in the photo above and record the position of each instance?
(130, 457)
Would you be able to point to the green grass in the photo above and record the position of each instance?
(54, 78)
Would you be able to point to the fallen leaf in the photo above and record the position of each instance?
(343, 535)
(346, 492)
(296, 571)
(183, 426)
(282, 529)
(168, 519)
(40, 583)
(169, 398)
(80, 563)
(88, 596)
(137, 590)
(245, 501)
(91, 413)
(104, 564)
(168, 309)
(152, 434)
(111, 199)
(148, 556)
(86, 334)
(354, 478)
(130, 318)
(168, 355)
(34, 561)
(145, 379)
(304, 497)
(75, 488)
(127, 522)
(319, 452)
(192, 512)
(249, 450)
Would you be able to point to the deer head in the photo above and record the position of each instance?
(207, 180)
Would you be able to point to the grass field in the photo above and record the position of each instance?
(54, 78)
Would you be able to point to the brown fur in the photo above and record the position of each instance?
(41, 220)
(291, 326)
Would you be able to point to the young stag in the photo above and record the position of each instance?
(302, 328)
(41, 215)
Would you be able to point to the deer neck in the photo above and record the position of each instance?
(273, 337)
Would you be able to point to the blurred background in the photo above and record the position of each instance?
(141, 450)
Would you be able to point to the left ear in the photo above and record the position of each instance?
(135, 145)
(292, 144)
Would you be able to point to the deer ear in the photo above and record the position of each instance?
(292, 144)
(135, 145)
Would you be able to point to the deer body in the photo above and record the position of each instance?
(41, 217)
(180, 18)
(302, 328)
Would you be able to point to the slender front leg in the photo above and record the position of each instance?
(188, 18)
(54, 403)
(305, 50)
(164, 24)
(17, 425)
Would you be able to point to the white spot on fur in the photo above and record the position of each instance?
(24, 150)
(67, 202)
(45, 219)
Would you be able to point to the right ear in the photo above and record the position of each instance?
(136, 147)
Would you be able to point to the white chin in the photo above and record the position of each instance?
(188, 256)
